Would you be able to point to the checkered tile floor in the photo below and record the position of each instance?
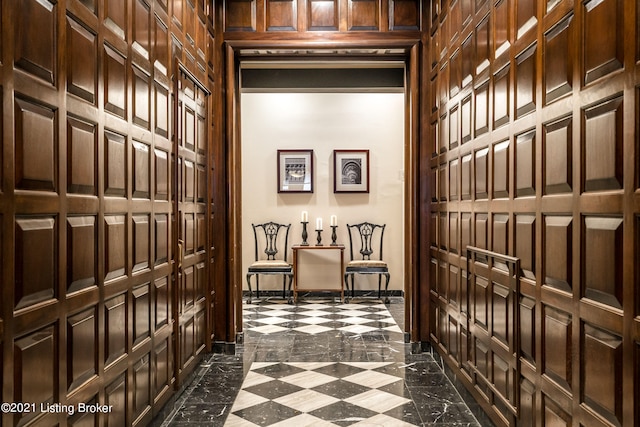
(318, 318)
(322, 394)
(321, 363)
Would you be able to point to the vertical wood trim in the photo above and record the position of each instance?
(235, 197)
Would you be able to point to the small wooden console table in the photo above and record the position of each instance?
(318, 268)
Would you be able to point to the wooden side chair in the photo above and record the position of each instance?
(269, 236)
(368, 236)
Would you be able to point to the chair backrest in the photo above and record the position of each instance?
(367, 234)
(270, 232)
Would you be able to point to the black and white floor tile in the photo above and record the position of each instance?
(322, 363)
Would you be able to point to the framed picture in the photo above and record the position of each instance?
(350, 171)
(295, 171)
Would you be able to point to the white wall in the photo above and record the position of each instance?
(324, 122)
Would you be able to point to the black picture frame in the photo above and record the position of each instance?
(295, 171)
(351, 171)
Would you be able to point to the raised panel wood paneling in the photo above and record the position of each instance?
(556, 343)
(282, 15)
(546, 175)
(602, 373)
(481, 109)
(528, 332)
(602, 251)
(161, 239)
(501, 175)
(558, 252)
(115, 329)
(36, 260)
(526, 16)
(142, 386)
(141, 242)
(525, 174)
(323, 15)
(82, 54)
(481, 179)
(82, 355)
(453, 179)
(558, 155)
(558, 62)
(116, 397)
(405, 14)
(602, 145)
(82, 157)
(141, 23)
(501, 27)
(141, 99)
(115, 16)
(35, 352)
(36, 158)
(115, 82)
(482, 45)
(525, 243)
(240, 15)
(35, 48)
(82, 241)
(115, 168)
(161, 303)
(141, 313)
(501, 98)
(525, 82)
(115, 246)
(87, 170)
(141, 170)
(161, 174)
(603, 54)
(363, 15)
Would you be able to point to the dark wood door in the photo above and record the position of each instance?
(190, 204)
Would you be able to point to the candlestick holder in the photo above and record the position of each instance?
(319, 238)
(304, 234)
(333, 235)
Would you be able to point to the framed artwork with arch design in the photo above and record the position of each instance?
(350, 171)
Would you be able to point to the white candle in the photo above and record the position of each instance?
(319, 224)
(334, 220)
(305, 216)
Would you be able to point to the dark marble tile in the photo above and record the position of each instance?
(278, 370)
(202, 414)
(273, 389)
(341, 389)
(267, 413)
(438, 414)
(343, 413)
(407, 413)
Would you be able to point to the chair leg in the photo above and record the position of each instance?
(284, 284)
(346, 284)
(250, 291)
(353, 286)
(386, 289)
(258, 286)
(290, 299)
(379, 284)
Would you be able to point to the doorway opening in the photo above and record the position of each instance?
(290, 112)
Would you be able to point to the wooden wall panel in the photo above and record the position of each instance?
(87, 223)
(546, 163)
(282, 15)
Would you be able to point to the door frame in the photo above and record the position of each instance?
(416, 288)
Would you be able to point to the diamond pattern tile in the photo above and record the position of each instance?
(324, 364)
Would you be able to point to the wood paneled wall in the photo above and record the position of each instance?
(298, 16)
(533, 124)
(94, 306)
